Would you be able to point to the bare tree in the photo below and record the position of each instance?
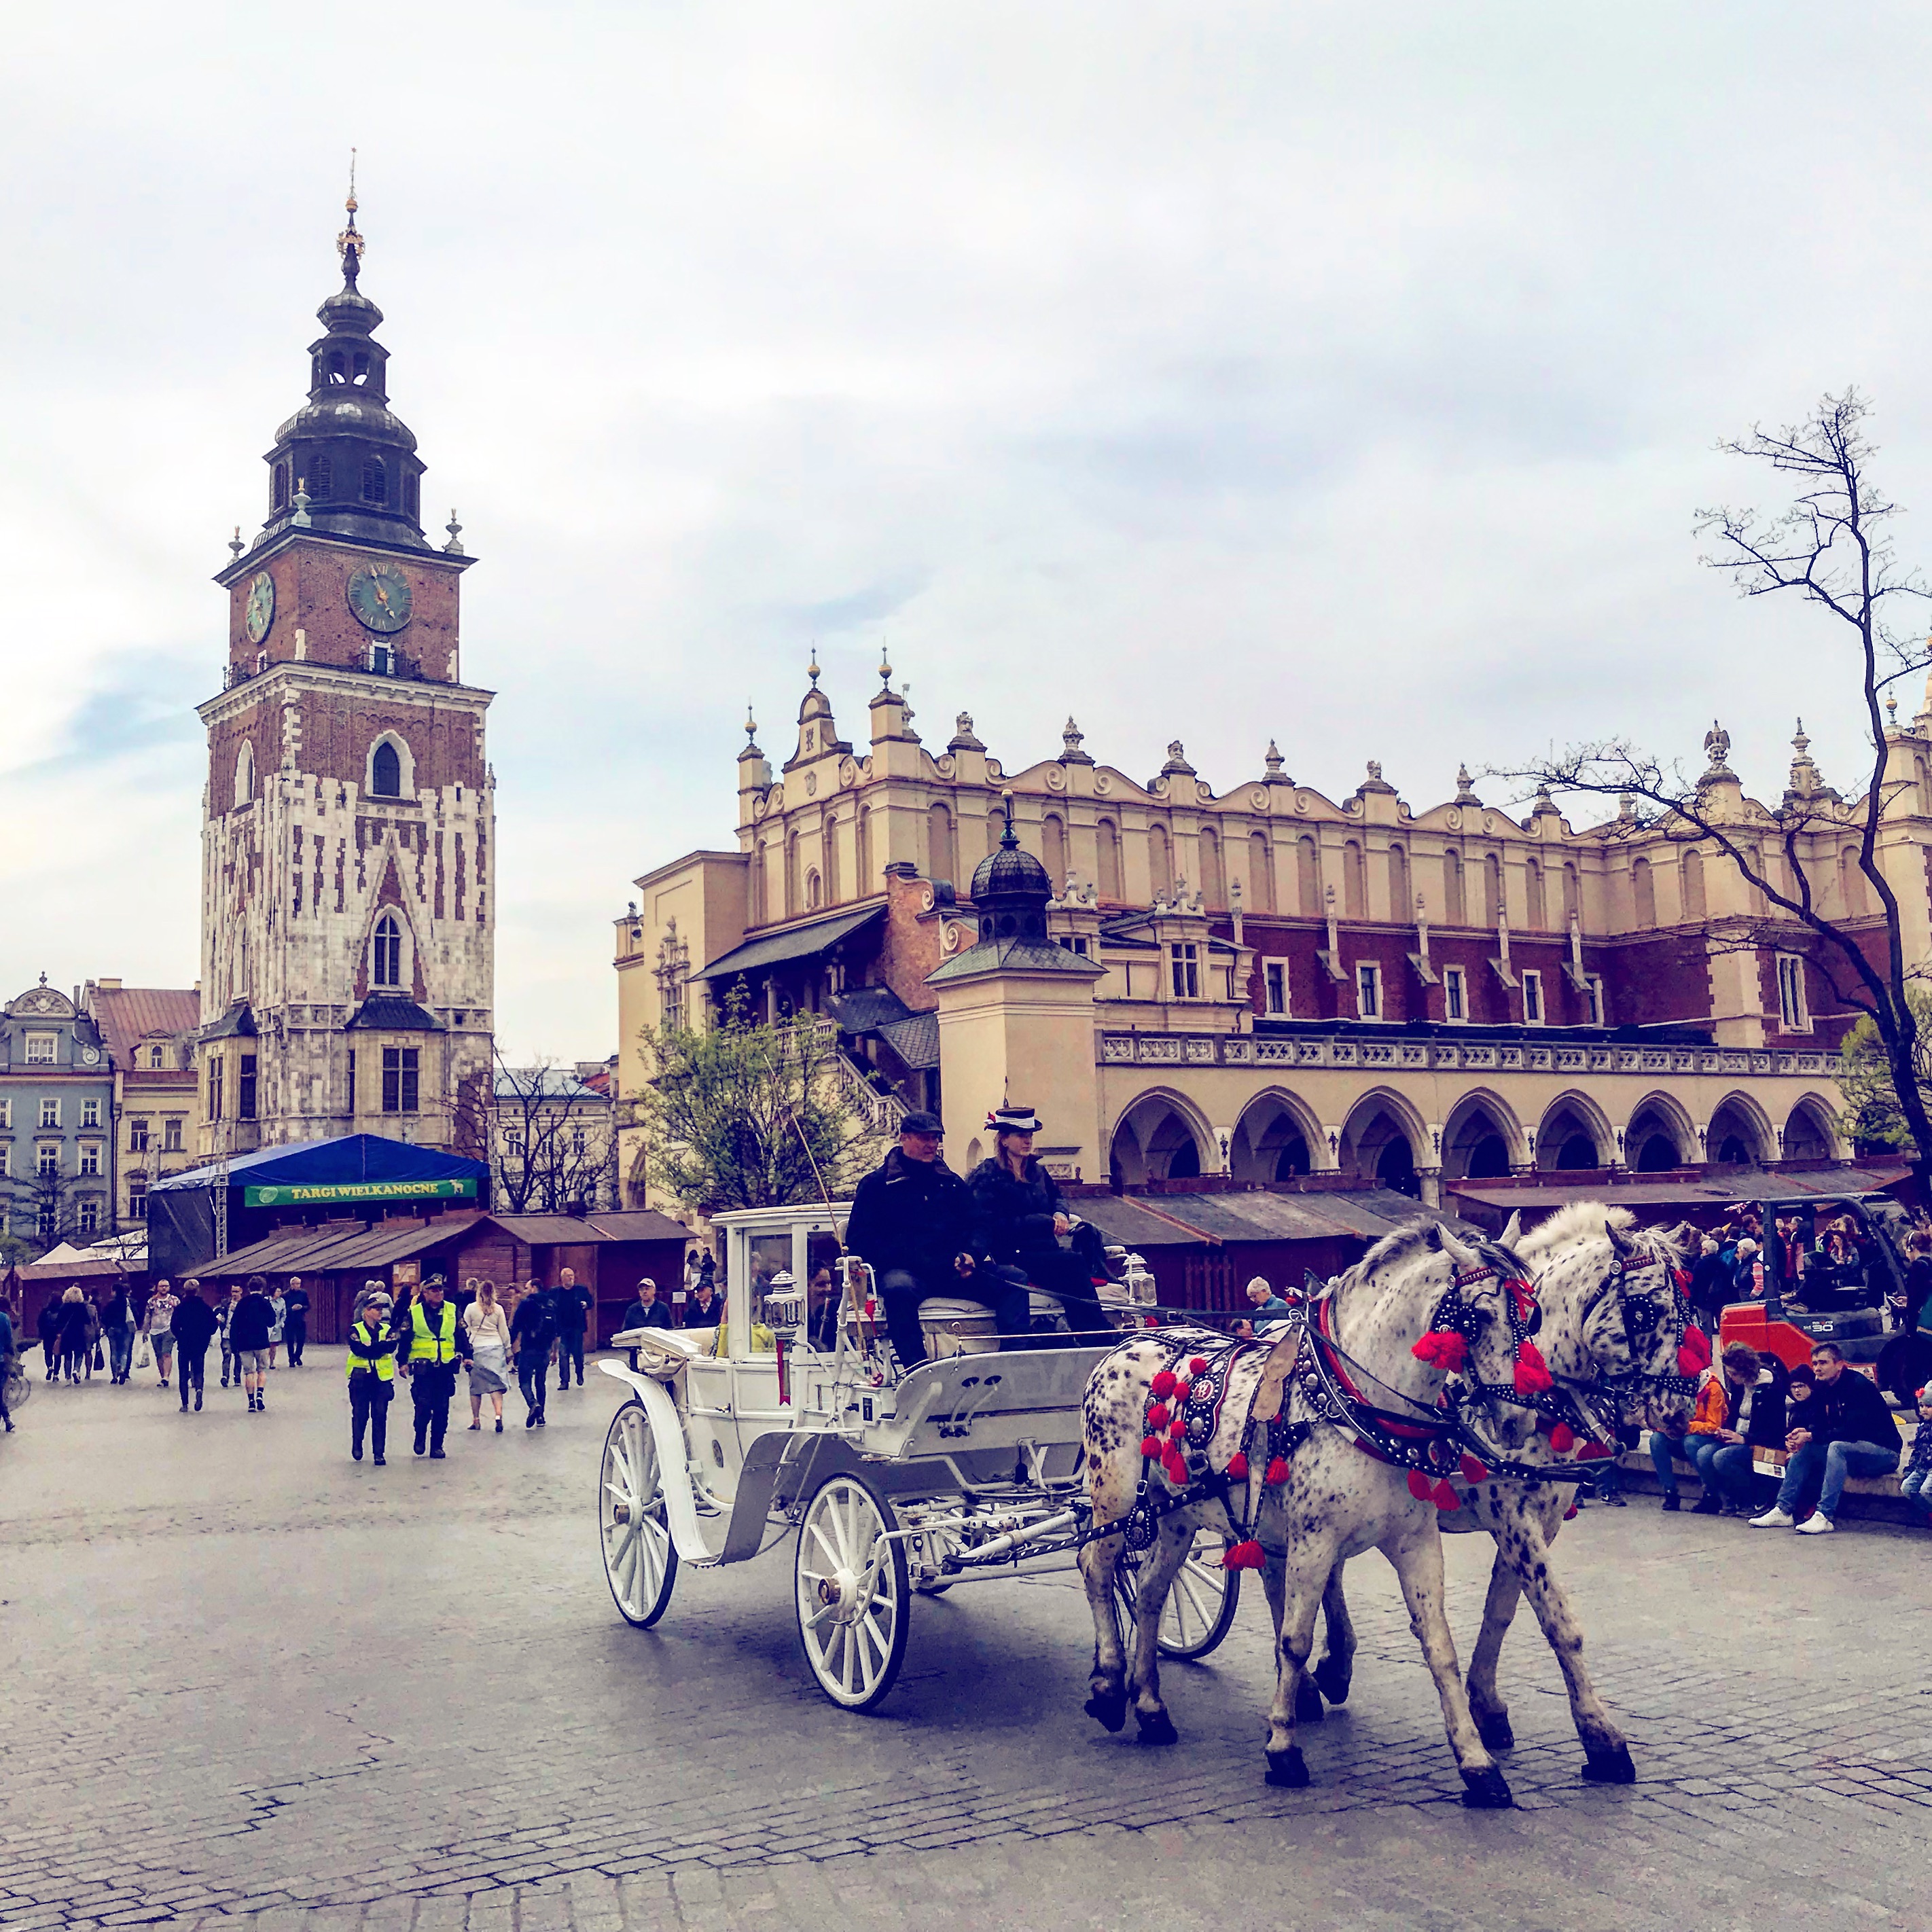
(1832, 548)
(546, 1153)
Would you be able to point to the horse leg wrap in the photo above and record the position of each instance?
(1309, 1708)
(1486, 1790)
(1610, 1767)
(1331, 1675)
(1496, 1732)
(1109, 1708)
(1156, 1728)
(1287, 1768)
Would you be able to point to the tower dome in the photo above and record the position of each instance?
(1011, 888)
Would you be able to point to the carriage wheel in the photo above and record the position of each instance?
(1201, 1602)
(852, 1597)
(639, 1558)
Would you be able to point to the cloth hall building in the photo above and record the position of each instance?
(1258, 982)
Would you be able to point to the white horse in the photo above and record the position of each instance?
(1264, 1443)
(1614, 1333)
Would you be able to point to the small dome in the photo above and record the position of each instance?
(1010, 870)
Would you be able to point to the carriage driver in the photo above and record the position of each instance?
(913, 1222)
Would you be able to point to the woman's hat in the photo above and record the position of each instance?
(1012, 1120)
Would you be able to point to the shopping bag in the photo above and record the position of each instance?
(144, 1356)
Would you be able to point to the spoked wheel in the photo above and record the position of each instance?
(639, 1558)
(1201, 1602)
(852, 1594)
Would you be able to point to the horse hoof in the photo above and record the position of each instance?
(1332, 1678)
(1309, 1708)
(1496, 1732)
(1156, 1728)
(1612, 1767)
(1287, 1768)
(1486, 1790)
(1110, 1712)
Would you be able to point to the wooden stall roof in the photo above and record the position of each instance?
(330, 1250)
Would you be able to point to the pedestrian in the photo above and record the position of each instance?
(645, 1310)
(531, 1331)
(158, 1325)
(279, 1308)
(1915, 1484)
(194, 1329)
(250, 1321)
(48, 1327)
(372, 1373)
(295, 1325)
(437, 1344)
(7, 1355)
(224, 1313)
(117, 1323)
(489, 1332)
(572, 1306)
(77, 1315)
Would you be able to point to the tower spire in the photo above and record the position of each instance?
(350, 244)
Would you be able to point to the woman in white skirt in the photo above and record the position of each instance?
(490, 1354)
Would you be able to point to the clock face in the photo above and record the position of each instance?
(259, 612)
(379, 594)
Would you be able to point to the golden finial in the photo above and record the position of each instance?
(349, 243)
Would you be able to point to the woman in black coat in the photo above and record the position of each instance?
(77, 1332)
(1021, 1219)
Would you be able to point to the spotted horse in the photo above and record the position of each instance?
(1617, 1337)
(1264, 1442)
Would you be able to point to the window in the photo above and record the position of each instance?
(375, 483)
(1275, 975)
(399, 1079)
(90, 1113)
(6, 1113)
(1108, 841)
(137, 1197)
(46, 1157)
(40, 1049)
(1368, 991)
(281, 499)
(215, 1069)
(47, 1221)
(513, 1143)
(1532, 999)
(1184, 964)
(321, 481)
(388, 951)
(90, 1157)
(244, 1089)
(90, 1216)
(171, 1134)
(1593, 998)
(382, 662)
(409, 500)
(1075, 943)
(1455, 994)
(157, 1057)
(579, 1142)
(1792, 1011)
(50, 1114)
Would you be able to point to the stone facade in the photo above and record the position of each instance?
(56, 1102)
(151, 1035)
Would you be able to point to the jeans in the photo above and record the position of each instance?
(901, 1291)
(533, 1377)
(1697, 1451)
(1912, 1486)
(120, 1350)
(1840, 1461)
(229, 1364)
(1731, 1469)
(369, 1408)
(295, 1333)
(191, 1362)
(569, 1348)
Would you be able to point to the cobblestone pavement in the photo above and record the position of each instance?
(240, 1674)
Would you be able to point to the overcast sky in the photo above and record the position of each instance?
(1348, 374)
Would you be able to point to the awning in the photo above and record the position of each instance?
(799, 942)
(1641, 1191)
(332, 1250)
(341, 1159)
(1264, 1214)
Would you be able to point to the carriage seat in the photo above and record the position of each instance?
(951, 1326)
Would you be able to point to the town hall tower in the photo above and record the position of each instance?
(348, 827)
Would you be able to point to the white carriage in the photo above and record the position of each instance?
(792, 1417)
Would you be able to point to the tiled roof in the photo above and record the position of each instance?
(128, 1014)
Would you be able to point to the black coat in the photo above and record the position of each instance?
(1851, 1410)
(638, 1316)
(571, 1308)
(76, 1317)
(296, 1302)
(1016, 1215)
(249, 1324)
(913, 1214)
(696, 1317)
(533, 1327)
(194, 1325)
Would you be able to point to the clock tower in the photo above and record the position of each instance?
(348, 828)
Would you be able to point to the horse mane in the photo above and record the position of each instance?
(1401, 1244)
(1585, 1221)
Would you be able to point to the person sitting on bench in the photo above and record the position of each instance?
(1847, 1430)
(914, 1224)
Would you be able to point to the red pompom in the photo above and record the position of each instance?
(1690, 1363)
(1419, 1485)
(1244, 1556)
(1444, 1495)
(1157, 1416)
(1442, 1349)
(1277, 1472)
(1562, 1439)
(1474, 1472)
(1681, 1276)
(1569, 1512)
(1163, 1383)
(1594, 1452)
(1532, 1373)
(1182, 1391)
(1175, 1464)
(1199, 1362)
(1150, 1447)
(1237, 1467)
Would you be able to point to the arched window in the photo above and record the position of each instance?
(1455, 908)
(794, 885)
(1400, 905)
(1354, 881)
(829, 837)
(281, 495)
(1160, 862)
(1694, 883)
(1572, 895)
(812, 889)
(386, 964)
(1493, 908)
(1532, 879)
(375, 483)
(862, 852)
(338, 369)
(761, 858)
(1643, 888)
(1108, 841)
(245, 773)
(1853, 882)
(1260, 873)
(1308, 876)
(1214, 882)
(996, 827)
(1053, 838)
(942, 862)
(385, 771)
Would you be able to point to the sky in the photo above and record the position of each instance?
(1350, 376)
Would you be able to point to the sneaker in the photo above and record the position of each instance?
(540, 1422)
(197, 1398)
(1673, 1501)
(1707, 1505)
(355, 1454)
(381, 1463)
(1816, 1524)
(435, 1455)
(420, 1450)
(529, 1421)
(499, 1425)
(1773, 1518)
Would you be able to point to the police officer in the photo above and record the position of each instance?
(372, 1375)
(437, 1345)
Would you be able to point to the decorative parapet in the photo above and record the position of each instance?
(1247, 1050)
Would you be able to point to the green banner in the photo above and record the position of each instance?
(304, 1196)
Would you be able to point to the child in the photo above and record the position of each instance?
(1915, 1485)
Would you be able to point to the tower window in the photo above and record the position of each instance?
(338, 369)
(375, 483)
(385, 773)
(321, 482)
(244, 1089)
(410, 501)
(389, 959)
(361, 368)
(399, 1079)
(281, 495)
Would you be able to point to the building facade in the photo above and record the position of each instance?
(56, 1102)
(551, 1147)
(349, 835)
(1287, 984)
(151, 1037)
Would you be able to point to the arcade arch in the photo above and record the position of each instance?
(1160, 1138)
(1811, 1133)
(1739, 1136)
(1275, 1139)
(1659, 1136)
(1482, 1139)
(1384, 1141)
(1573, 1133)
